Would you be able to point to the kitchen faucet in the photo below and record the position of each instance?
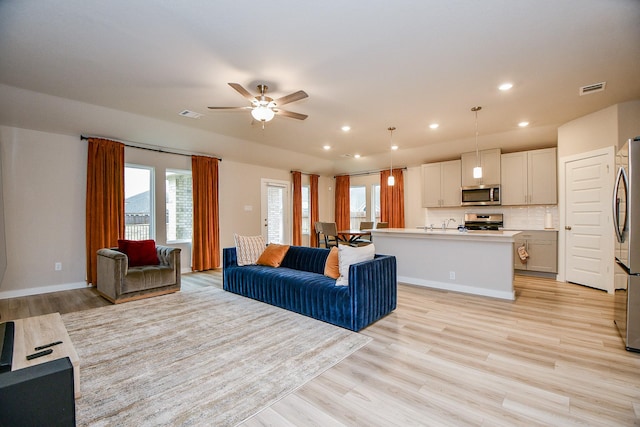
(445, 223)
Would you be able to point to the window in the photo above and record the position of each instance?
(375, 196)
(358, 206)
(306, 209)
(179, 207)
(138, 203)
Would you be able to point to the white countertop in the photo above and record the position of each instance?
(438, 233)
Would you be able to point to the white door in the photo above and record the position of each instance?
(588, 230)
(275, 208)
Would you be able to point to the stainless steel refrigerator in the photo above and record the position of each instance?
(626, 221)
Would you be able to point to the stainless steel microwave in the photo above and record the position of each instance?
(481, 195)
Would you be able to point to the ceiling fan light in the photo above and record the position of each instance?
(263, 113)
(391, 181)
(477, 172)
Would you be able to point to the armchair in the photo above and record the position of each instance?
(118, 282)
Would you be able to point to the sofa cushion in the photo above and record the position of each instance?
(348, 255)
(273, 255)
(303, 258)
(139, 252)
(331, 266)
(147, 277)
(248, 249)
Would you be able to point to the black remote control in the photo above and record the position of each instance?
(40, 354)
(42, 347)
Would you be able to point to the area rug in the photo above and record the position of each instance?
(198, 357)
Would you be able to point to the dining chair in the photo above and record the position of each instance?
(382, 225)
(318, 229)
(364, 240)
(330, 232)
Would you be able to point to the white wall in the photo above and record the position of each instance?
(611, 126)
(628, 121)
(44, 175)
(44, 185)
(589, 133)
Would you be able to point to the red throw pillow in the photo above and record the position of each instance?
(139, 252)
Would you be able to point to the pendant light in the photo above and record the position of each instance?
(477, 171)
(391, 180)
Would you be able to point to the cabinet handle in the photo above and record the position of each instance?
(567, 227)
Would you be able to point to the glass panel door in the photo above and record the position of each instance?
(275, 211)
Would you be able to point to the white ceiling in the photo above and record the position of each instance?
(369, 64)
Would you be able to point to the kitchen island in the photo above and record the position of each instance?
(474, 262)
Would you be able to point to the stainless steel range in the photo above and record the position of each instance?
(474, 221)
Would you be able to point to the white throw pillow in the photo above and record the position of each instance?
(248, 249)
(348, 255)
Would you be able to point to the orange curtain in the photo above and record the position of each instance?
(343, 208)
(314, 215)
(205, 247)
(297, 208)
(105, 200)
(392, 199)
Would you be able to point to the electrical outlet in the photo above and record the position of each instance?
(58, 266)
(452, 275)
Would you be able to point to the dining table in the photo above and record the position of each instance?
(350, 236)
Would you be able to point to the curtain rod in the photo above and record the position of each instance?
(156, 148)
(404, 168)
(304, 173)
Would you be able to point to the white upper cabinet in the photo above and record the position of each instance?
(529, 178)
(441, 184)
(490, 163)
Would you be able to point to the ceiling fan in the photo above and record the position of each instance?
(264, 108)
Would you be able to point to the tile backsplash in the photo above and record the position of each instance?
(515, 217)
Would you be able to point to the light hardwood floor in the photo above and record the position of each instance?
(552, 357)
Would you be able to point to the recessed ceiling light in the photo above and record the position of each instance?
(523, 124)
(394, 147)
(505, 86)
(434, 126)
(346, 128)
(326, 147)
(357, 156)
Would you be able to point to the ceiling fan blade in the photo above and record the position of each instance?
(242, 91)
(229, 108)
(296, 96)
(291, 114)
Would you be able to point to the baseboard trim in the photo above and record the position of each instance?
(42, 290)
(465, 289)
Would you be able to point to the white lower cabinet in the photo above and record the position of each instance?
(542, 248)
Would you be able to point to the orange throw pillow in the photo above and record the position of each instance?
(273, 255)
(331, 266)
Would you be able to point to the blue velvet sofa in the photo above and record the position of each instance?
(299, 285)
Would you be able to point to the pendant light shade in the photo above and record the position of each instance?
(477, 171)
(391, 180)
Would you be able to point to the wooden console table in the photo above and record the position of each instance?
(40, 330)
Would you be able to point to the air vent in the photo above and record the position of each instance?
(190, 114)
(596, 87)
